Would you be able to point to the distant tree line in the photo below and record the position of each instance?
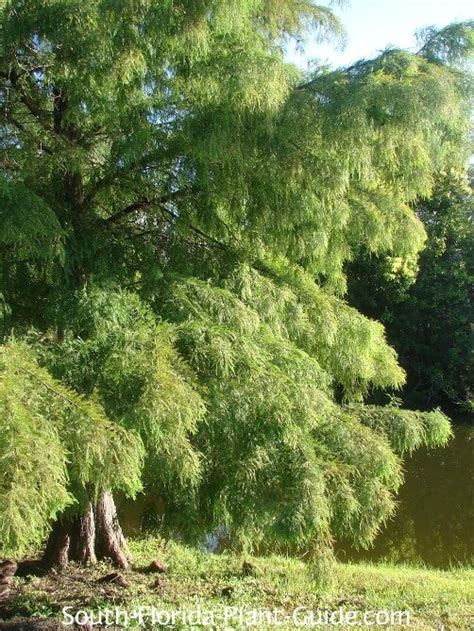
(427, 307)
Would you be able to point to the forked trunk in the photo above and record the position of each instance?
(96, 534)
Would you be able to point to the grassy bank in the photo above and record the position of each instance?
(432, 598)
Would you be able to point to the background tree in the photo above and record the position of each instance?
(177, 206)
(429, 321)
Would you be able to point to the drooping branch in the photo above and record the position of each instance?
(146, 203)
(162, 203)
(142, 163)
(55, 391)
(195, 229)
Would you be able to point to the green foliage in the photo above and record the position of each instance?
(453, 44)
(351, 348)
(405, 430)
(55, 446)
(204, 198)
(429, 321)
(296, 470)
(27, 225)
(116, 351)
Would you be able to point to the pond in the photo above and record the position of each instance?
(434, 522)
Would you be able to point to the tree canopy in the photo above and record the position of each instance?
(178, 204)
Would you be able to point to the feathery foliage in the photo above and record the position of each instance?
(56, 448)
(429, 315)
(296, 468)
(178, 205)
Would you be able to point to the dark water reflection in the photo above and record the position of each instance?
(434, 523)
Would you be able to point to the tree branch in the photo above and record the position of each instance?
(141, 163)
(196, 229)
(161, 202)
(145, 203)
(23, 129)
(55, 127)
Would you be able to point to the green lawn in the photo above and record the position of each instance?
(215, 583)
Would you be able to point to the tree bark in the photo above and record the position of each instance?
(94, 535)
(57, 548)
(83, 538)
(110, 539)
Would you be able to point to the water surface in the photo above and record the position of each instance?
(434, 523)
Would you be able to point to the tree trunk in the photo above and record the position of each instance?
(96, 534)
(83, 538)
(57, 548)
(110, 539)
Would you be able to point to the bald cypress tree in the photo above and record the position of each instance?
(176, 207)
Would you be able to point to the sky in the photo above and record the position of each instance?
(371, 25)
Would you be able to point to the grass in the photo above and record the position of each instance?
(435, 599)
